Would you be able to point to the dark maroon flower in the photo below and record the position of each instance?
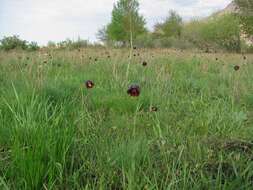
(95, 59)
(236, 68)
(216, 59)
(244, 57)
(135, 47)
(134, 55)
(144, 63)
(134, 90)
(89, 84)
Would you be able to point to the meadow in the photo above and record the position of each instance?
(190, 128)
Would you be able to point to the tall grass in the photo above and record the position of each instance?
(56, 134)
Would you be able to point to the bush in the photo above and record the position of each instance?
(144, 40)
(33, 46)
(215, 33)
(51, 44)
(69, 44)
(13, 42)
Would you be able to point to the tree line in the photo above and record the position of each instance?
(214, 33)
(128, 28)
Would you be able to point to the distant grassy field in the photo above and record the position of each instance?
(190, 128)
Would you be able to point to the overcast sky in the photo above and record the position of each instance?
(44, 20)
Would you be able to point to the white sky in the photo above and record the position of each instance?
(44, 20)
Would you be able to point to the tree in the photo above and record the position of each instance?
(102, 34)
(126, 23)
(223, 31)
(171, 27)
(33, 46)
(13, 42)
(246, 15)
(51, 44)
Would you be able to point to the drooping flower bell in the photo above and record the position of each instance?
(134, 90)
(89, 84)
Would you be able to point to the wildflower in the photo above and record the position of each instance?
(134, 90)
(89, 84)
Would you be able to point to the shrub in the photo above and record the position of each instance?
(69, 44)
(51, 44)
(13, 42)
(33, 46)
(144, 40)
(217, 32)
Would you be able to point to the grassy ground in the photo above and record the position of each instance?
(56, 134)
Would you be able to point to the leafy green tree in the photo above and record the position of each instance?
(71, 44)
(246, 15)
(33, 46)
(171, 27)
(102, 34)
(51, 44)
(13, 42)
(126, 23)
(223, 31)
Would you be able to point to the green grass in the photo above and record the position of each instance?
(56, 134)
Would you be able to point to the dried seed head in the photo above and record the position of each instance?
(236, 68)
(153, 109)
(144, 63)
